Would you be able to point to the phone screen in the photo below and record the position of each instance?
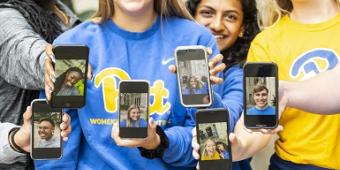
(70, 71)
(133, 109)
(260, 95)
(212, 133)
(46, 140)
(193, 76)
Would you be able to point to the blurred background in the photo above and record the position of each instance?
(83, 8)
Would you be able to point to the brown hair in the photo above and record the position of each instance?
(165, 8)
(260, 88)
(128, 122)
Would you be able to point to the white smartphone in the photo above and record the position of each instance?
(193, 76)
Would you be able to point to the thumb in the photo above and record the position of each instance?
(27, 116)
(233, 139)
(152, 124)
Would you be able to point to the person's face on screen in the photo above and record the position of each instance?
(72, 78)
(193, 83)
(134, 114)
(261, 98)
(45, 130)
(210, 147)
(220, 147)
(223, 18)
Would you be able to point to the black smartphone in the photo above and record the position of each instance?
(260, 95)
(193, 76)
(133, 108)
(46, 142)
(70, 69)
(212, 128)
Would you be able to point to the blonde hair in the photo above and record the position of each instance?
(271, 11)
(164, 8)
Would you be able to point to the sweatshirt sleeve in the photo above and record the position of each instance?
(70, 151)
(179, 152)
(230, 93)
(7, 154)
(22, 51)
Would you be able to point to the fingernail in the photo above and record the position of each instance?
(52, 58)
(65, 139)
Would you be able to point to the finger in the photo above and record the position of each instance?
(209, 51)
(172, 68)
(216, 80)
(49, 52)
(214, 61)
(198, 166)
(115, 131)
(233, 139)
(195, 154)
(217, 69)
(89, 72)
(27, 116)
(193, 132)
(64, 135)
(152, 126)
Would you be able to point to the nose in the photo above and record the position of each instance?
(216, 25)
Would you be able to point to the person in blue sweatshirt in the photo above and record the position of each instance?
(133, 40)
(234, 25)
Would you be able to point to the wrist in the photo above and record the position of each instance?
(153, 143)
(15, 145)
(161, 143)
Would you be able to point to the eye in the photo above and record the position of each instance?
(230, 17)
(206, 13)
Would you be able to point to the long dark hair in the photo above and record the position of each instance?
(60, 80)
(237, 53)
(38, 15)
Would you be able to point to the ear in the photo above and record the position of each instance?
(240, 35)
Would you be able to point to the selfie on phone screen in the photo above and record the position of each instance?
(213, 139)
(70, 77)
(193, 76)
(133, 110)
(261, 96)
(47, 130)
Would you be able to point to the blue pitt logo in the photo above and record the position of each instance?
(313, 62)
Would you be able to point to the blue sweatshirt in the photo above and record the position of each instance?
(116, 54)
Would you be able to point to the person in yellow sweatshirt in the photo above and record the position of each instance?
(302, 38)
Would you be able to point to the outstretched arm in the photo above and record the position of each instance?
(319, 94)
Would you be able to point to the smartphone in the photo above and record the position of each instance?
(212, 128)
(70, 69)
(46, 142)
(133, 108)
(193, 76)
(260, 95)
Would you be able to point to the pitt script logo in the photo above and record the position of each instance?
(108, 77)
(313, 62)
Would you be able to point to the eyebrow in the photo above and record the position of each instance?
(226, 11)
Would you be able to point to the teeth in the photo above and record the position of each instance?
(218, 36)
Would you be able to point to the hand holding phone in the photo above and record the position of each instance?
(70, 70)
(212, 130)
(46, 141)
(193, 76)
(260, 95)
